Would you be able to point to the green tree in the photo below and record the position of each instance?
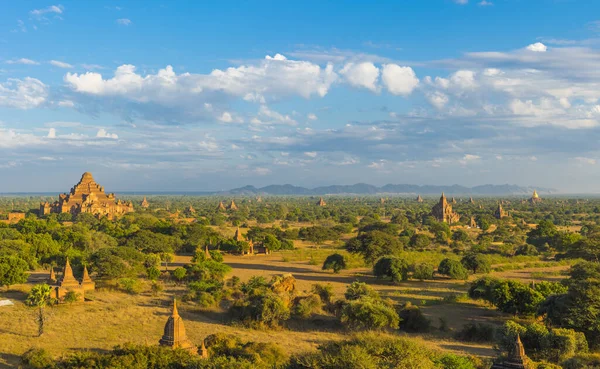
(391, 267)
(373, 245)
(179, 273)
(335, 262)
(453, 268)
(153, 273)
(477, 263)
(13, 270)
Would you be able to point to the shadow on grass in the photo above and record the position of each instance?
(9, 360)
(273, 268)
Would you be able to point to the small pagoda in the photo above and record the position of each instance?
(471, 201)
(240, 238)
(321, 202)
(220, 207)
(145, 204)
(472, 223)
(419, 198)
(516, 358)
(500, 212)
(174, 334)
(232, 205)
(67, 283)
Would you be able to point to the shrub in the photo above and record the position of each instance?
(130, 285)
(423, 271)
(412, 319)
(153, 273)
(335, 262)
(216, 256)
(526, 250)
(452, 268)
(391, 267)
(38, 359)
(369, 313)
(306, 306)
(71, 297)
(179, 273)
(476, 332)
(357, 290)
(156, 288)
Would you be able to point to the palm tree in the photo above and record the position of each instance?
(40, 296)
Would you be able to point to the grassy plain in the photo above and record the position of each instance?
(111, 318)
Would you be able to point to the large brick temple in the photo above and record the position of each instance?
(87, 197)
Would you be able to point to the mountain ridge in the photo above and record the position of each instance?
(407, 189)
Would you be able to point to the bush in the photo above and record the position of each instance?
(179, 273)
(423, 271)
(130, 285)
(306, 306)
(357, 290)
(38, 359)
(336, 262)
(476, 332)
(216, 256)
(153, 273)
(454, 269)
(412, 319)
(264, 309)
(391, 267)
(526, 250)
(369, 313)
(71, 297)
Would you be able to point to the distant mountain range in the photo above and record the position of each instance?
(406, 189)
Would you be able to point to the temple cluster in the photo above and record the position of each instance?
(87, 197)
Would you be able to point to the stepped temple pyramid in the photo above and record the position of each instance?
(68, 283)
(442, 211)
(87, 197)
(174, 335)
(516, 358)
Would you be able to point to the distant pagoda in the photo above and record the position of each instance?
(87, 197)
(500, 212)
(174, 333)
(535, 198)
(419, 198)
(220, 207)
(321, 202)
(516, 358)
(442, 211)
(232, 205)
(471, 201)
(145, 204)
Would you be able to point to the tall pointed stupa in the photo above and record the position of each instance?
(516, 358)
(68, 279)
(174, 334)
(87, 283)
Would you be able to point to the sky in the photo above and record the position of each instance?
(204, 96)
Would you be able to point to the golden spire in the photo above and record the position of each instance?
(175, 313)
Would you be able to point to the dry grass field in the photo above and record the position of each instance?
(113, 318)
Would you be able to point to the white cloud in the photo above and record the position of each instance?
(272, 78)
(311, 116)
(399, 80)
(24, 93)
(469, 158)
(437, 99)
(60, 64)
(461, 2)
(537, 47)
(262, 171)
(123, 21)
(66, 104)
(57, 9)
(102, 133)
(267, 116)
(311, 154)
(361, 75)
(585, 160)
(24, 61)
(52, 133)
(226, 117)
(485, 3)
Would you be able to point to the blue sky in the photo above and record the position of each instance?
(169, 95)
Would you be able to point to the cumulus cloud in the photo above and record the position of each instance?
(272, 78)
(61, 64)
(361, 75)
(399, 80)
(123, 21)
(102, 133)
(52, 133)
(537, 47)
(311, 116)
(24, 93)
